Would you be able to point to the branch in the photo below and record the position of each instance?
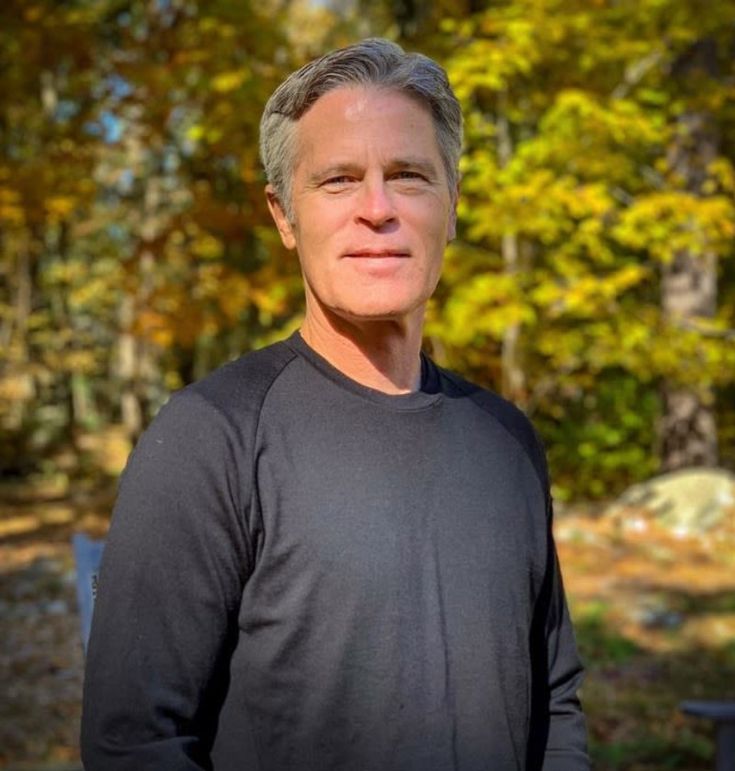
(635, 72)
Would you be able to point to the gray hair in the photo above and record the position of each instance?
(371, 62)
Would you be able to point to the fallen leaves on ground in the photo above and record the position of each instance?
(654, 612)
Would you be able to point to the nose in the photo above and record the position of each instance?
(376, 206)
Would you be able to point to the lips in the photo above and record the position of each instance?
(378, 264)
(377, 254)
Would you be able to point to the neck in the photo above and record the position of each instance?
(380, 354)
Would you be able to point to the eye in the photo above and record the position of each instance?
(337, 183)
(409, 180)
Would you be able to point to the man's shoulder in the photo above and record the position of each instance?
(515, 423)
(208, 418)
(239, 387)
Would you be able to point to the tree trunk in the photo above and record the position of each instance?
(136, 366)
(18, 361)
(130, 408)
(513, 378)
(688, 428)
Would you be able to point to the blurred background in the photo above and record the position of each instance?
(592, 282)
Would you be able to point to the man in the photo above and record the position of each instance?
(332, 554)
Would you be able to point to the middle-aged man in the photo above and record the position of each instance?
(331, 553)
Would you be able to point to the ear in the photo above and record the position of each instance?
(279, 217)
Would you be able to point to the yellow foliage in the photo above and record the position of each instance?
(155, 327)
(16, 387)
(669, 222)
(11, 209)
(208, 280)
(68, 360)
(233, 296)
(269, 300)
(12, 215)
(722, 176)
(91, 292)
(214, 135)
(195, 132)
(60, 206)
(207, 247)
(225, 82)
(485, 306)
(172, 381)
(590, 294)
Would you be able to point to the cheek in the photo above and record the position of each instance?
(316, 247)
(437, 235)
(319, 225)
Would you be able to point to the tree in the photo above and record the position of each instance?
(203, 280)
(575, 208)
(46, 160)
(132, 215)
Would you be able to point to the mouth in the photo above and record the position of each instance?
(377, 254)
(378, 263)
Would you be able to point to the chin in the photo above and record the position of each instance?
(378, 311)
(374, 315)
(372, 303)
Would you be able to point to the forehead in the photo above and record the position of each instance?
(360, 119)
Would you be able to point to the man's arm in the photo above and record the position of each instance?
(171, 580)
(559, 734)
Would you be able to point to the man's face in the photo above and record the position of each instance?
(372, 208)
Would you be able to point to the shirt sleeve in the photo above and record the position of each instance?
(559, 734)
(176, 559)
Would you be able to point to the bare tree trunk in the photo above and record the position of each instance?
(19, 350)
(130, 408)
(689, 291)
(148, 372)
(513, 376)
(136, 365)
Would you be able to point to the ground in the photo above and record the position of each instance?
(41, 656)
(654, 611)
(655, 618)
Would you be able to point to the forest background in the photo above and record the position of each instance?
(592, 280)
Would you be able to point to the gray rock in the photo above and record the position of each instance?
(690, 501)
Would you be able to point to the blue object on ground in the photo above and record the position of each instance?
(87, 555)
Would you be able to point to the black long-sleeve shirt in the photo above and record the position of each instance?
(304, 573)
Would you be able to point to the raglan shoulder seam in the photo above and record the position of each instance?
(257, 403)
(469, 389)
(256, 429)
(293, 357)
(248, 438)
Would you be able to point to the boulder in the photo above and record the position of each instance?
(690, 501)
